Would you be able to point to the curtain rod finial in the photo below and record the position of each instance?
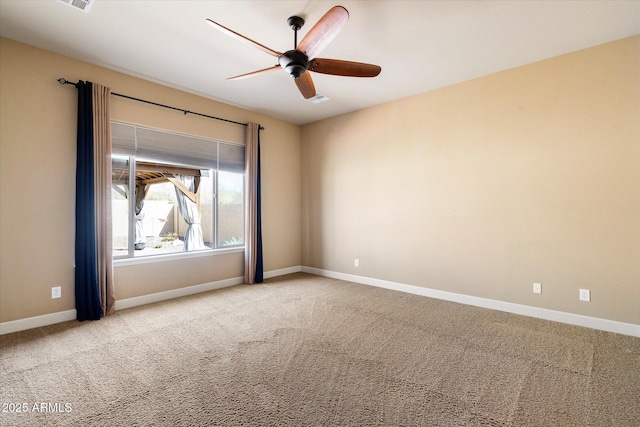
(64, 81)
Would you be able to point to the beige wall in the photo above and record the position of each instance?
(37, 181)
(481, 188)
(484, 187)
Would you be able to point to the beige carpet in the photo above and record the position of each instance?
(304, 350)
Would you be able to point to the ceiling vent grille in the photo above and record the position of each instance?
(318, 99)
(83, 5)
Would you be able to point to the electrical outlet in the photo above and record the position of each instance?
(585, 295)
(356, 262)
(56, 292)
(537, 288)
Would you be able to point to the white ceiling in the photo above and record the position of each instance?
(420, 45)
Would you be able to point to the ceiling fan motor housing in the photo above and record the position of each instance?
(295, 62)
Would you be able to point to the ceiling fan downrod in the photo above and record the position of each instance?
(294, 61)
(295, 22)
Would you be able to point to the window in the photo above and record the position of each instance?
(174, 193)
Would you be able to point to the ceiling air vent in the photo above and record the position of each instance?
(83, 5)
(318, 99)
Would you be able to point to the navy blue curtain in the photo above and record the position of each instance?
(259, 277)
(88, 304)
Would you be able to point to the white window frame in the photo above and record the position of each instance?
(131, 155)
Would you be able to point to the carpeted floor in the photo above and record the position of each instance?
(305, 350)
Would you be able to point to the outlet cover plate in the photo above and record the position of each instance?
(56, 292)
(585, 295)
(537, 288)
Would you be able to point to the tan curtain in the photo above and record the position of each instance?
(251, 203)
(102, 171)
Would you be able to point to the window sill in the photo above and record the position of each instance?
(174, 257)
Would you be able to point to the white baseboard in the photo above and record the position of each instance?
(177, 293)
(282, 271)
(541, 313)
(37, 321)
(525, 310)
(65, 316)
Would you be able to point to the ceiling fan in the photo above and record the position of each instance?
(303, 57)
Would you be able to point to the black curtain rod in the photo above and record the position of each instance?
(66, 82)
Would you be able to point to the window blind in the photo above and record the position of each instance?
(168, 147)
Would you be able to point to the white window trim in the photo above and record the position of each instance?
(150, 259)
(133, 157)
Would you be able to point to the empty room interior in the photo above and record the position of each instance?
(448, 213)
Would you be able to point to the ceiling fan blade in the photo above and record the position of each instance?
(255, 73)
(305, 85)
(244, 39)
(324, 31)
(338, 67)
